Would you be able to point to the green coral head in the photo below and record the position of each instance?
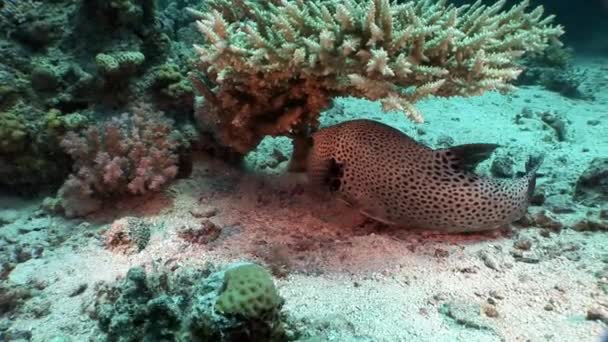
(124, 62)
(248, 291)
(13, 132)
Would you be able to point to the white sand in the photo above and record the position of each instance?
(357, 281)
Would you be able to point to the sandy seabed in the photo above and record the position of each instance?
(351, 279)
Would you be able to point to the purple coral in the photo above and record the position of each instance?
(130, 155)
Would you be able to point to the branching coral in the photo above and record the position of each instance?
(270, 67)
(134, 154)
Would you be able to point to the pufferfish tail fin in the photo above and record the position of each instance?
(466, 157)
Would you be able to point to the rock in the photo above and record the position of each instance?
(128, 235)
(21, 254)
(557, 123)
(569, 250)
(523, 243)
(278, 258)
(597, 314)
(525, 221)
(37, 307)
(559, 204)
(488, 260)
(204, 233)
(8, 216)
(529, 258)
(445, 141)
(502, 167)
(590, 225)
(441, 253)
(466, 314)
(592, 186)
(527, 113)
(603, 273)
(538, 197)
(78, 290)
(16, 335)
(545, 219)
(204, 212)
(5, 324)
(490, 311)
(497, 295)
(12, 297)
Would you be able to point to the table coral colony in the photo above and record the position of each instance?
(268, 68)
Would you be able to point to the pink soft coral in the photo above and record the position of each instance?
(130, 155)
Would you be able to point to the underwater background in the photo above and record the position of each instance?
(153, 180)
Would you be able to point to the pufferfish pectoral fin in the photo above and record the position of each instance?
(466, 157)
(374, 212)
(380, 217)
(374, 209)
(367, 205)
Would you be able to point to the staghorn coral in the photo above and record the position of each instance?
(271, 67)
(134, 154)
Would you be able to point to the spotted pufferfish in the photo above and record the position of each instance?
(393, 179)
